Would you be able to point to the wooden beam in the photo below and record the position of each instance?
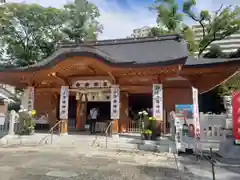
(60, 77)
(95, 77)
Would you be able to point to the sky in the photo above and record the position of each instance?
(120, 17)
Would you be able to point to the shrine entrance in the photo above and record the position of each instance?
(85, 95)
(136, 103)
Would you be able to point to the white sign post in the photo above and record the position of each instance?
(157, 94)
(30, 105)
(196, 120)
(64, 97)
(115, 102)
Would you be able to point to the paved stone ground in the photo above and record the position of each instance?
(224, 169)
(65, 163)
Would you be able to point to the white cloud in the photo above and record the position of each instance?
(119, 23)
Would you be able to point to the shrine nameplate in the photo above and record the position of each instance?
(157, 94)
(64, 97)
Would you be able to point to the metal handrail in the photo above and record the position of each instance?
(50, 132)
(106, 132)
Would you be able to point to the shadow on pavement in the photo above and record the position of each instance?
(167, 172)
(204, 167)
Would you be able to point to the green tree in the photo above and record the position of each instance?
(156, 31)
(29, 32)
(168, 15)
(215, 52)
(81, 21)
(170, 20)
(215, 26)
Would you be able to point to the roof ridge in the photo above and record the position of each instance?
(176, 37)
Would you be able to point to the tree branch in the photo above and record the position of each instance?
(203, 27)
(216, 12)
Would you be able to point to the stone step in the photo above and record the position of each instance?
(129, 144)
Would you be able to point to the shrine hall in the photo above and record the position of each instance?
(116, 75)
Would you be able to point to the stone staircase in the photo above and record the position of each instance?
(94, 141)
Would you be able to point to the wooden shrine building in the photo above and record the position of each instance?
(128, 66)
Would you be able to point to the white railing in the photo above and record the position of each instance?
(211, 131)
(212, 126)
(4, 124)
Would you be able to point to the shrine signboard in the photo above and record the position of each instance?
(115, 102)
(236, 116)
(30, 106)
(196, 119)
(64, 97)
(157, 101)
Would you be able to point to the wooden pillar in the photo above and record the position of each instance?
(124, 119)
(64, 127)
(78, 115)
(115, 128)
(84, 113)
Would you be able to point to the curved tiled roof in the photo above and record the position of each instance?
(131, 52)
(122, 52)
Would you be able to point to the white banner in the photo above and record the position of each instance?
(64, 97)
(115, 102)
(30, 105)
(157, 95)
(177, 131)
(196, 120)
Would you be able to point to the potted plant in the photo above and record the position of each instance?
(152, 127)
(147, 134)
(147, 126)
(27, 122)
(143, 117)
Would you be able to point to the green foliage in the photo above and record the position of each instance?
(230, 85)
(27, 123)
(170, 20)
(215, 26)
(147, 132)
(147, 124)
(168, 16)
(81, 20)
(215, 52)
(156, 31)
(26, 32)
(29, 32)
(189, 36)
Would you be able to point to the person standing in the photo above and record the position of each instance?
(93, 119)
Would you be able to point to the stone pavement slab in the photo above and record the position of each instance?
(48, 163)
(203, 167)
